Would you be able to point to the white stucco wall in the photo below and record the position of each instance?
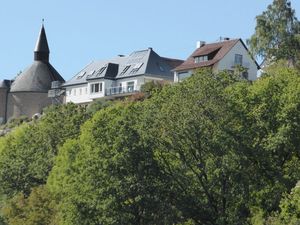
(99, 94)
(73, 94)
(227, 63)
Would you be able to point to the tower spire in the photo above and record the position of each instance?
(41, 50)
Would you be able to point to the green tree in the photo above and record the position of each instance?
(110, 176)
(38, 208)
(289, 209)
(268, 128)
(27, 154)
(277, 33)
(195, 149)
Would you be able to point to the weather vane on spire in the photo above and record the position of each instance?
(43, 21)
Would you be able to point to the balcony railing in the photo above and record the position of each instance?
(120, 90)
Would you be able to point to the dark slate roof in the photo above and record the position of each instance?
(41, 50)
(220, 49)
(144, 62)
(5, 83)
(42, 43)
(36, 78)
(91, 71)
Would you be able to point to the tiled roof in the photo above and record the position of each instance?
(221, 49)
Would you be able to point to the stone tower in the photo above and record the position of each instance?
(4, 89)
(28, 94)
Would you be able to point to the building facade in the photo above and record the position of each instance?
(224, 55)
(118, 77)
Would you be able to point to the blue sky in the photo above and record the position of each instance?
(82, 31)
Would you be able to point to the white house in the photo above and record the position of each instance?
(120, 76)
(223, 55)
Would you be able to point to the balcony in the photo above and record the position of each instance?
(124, 90)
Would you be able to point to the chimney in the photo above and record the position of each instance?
(200, 44)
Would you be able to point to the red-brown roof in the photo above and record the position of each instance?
(222, 47)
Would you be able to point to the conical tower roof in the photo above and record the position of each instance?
(37, 77)
(41, 50)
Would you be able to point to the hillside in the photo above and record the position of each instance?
(214, 149)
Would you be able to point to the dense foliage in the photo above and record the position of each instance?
(214, 149)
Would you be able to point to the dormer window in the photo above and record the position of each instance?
(199, 59)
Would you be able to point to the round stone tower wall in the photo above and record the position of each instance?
(26, 104)
(3, 104)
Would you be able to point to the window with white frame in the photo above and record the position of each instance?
(202, 58)
(130, 86)
(96, 88)
(183, 75)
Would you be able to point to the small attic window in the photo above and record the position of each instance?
(125, 70)
(89, 74)
(161, 68)
(101, 70)
(81, 74)
(136, 68)
(199, 59)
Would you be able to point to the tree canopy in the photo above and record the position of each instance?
(277, 33)
(213, 149)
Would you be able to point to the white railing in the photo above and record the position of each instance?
(120, 90)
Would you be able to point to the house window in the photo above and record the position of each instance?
(245, 75)
(238, 59)
(124, 70)
(202, 58)
(86, 90)
(100, 71)
(89, 74)
(96, 88)
(130, 86)
(74, 92)
(81, 74)
(136, 68)
(80, 91)
(161, 68)
(183, 75)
